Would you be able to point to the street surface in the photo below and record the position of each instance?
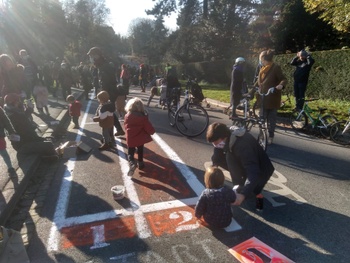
(305, 217)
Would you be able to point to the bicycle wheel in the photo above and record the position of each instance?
(338, 135)
(262, 138)
(191, 120)
(298, 120)
(327, 121)
(171, 115)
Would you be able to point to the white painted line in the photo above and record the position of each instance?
(62, 202)
(186, 172)
(140, 220)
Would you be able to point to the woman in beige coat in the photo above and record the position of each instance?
(271, 75)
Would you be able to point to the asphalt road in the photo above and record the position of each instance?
(305, 217)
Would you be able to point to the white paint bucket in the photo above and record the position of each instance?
(118, 192)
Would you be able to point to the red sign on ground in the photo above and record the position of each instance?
(255, 251)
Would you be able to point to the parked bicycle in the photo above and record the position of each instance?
(249, 122)
(321, 122)
(190, 119)
(340, 132)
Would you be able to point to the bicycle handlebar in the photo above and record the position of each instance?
(271, 90)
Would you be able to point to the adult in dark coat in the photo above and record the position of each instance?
(11, 75)
(237, 78)
(108, 82)
(303, 63)
(239, 152)
(30, 71)
(30, 142)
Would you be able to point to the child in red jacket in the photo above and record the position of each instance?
(74, 110)
(138, 132)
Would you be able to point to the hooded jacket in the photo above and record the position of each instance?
(247, 162)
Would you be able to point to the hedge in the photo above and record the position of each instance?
(329, 77)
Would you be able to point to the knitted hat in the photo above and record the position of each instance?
(303, 53)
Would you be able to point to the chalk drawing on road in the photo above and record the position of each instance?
(278, 180)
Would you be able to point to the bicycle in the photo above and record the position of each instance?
(322, 123)
(249, 122)
(340, 132)
(256, 105)
(190, 119)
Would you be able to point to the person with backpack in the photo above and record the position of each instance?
(240, 153)
(108, 82)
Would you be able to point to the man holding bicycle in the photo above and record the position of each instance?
(239, 152)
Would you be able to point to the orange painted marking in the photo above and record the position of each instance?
(255, 251)
(159, 180)
(171, 221)
(81, 235)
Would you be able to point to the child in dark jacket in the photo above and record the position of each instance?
(138, 132)
(104, 115)
(214, 204)
(74, 110)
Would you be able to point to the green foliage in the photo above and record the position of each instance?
(334, 12)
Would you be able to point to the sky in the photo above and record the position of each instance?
(123, 12)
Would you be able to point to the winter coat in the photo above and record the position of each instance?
(24, 128)
(74, 109)
(237, 78)
(138, 129)
(215, 206)
(273, 78)
(13, 81)
(107, 78)
(247, 162)
(302, 69)
(42, 96)
(105, 115)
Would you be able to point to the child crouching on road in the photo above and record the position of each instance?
(214, 204)
(138, 132)
(104, 115)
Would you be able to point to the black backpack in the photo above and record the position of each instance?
(197, 92)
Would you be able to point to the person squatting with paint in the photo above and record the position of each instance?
(240, 153)
(138, 132)
(214, 204)
(104, 116)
